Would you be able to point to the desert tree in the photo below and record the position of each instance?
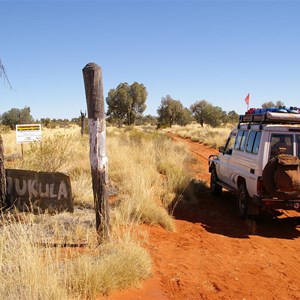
(232, 117)
(45, 122)
(149, 119)
(17, 116)
(206, 113)
(185, 117)
(272, 104)
(199, 111)
(214, 116)
(171, 112)
(126, 103)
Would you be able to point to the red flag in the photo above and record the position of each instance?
(247, 99)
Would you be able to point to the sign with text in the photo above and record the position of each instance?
(39, 191)
(27, 133)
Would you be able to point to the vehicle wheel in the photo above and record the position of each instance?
(215, 188)
(242, 201)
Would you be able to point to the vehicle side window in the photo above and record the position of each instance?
(240, 142)
(238, 139)
(256, 143)
(243, 141)
(250, 143)
(253, 142)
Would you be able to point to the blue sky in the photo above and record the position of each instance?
(191, 50)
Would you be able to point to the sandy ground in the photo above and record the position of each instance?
(216, 255)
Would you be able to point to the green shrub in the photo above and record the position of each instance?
(52, 154)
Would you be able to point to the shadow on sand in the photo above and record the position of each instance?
(219, 215)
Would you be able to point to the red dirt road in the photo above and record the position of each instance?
(213, 254)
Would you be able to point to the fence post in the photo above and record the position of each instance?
(2, 176)
(92, 75)
(82, 117)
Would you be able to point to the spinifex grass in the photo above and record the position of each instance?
(117, 265)
(148, 169)
(34, 263)
(146, 172)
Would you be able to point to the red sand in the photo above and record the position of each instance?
(213, 254)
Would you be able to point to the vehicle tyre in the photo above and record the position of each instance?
(215, 188)
(243, 201)
(268, 176)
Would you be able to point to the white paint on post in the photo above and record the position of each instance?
(98, 158)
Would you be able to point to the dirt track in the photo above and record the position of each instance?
(214, 255)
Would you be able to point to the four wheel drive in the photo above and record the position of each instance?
(260, 161)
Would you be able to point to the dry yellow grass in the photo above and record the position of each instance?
(213, 137)
(32, 268)
(146, 170)
(118, 265)
(27, 271)
(143, 179)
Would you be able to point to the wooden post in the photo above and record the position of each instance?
(83, 115)
(2, 176)
(92, 75)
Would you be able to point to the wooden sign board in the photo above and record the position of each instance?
(39, 191)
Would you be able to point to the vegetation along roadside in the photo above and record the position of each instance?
(142, 187)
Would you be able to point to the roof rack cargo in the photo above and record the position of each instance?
(270, 117)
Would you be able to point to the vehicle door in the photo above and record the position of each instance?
(225, 158)
(242, 160)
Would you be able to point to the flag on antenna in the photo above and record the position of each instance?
(247, 99)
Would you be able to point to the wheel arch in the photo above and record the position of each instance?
(250, 209)
(241, 180)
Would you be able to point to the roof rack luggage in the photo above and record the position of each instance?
(269, 117)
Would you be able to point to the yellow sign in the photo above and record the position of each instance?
(27, 133)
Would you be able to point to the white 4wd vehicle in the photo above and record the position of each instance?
(249, 163)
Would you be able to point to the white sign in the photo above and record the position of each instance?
(27, 133)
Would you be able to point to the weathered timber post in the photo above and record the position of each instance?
(83, 115)
(2, 176)
(92, 75)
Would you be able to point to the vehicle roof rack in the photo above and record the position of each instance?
(269, 118)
